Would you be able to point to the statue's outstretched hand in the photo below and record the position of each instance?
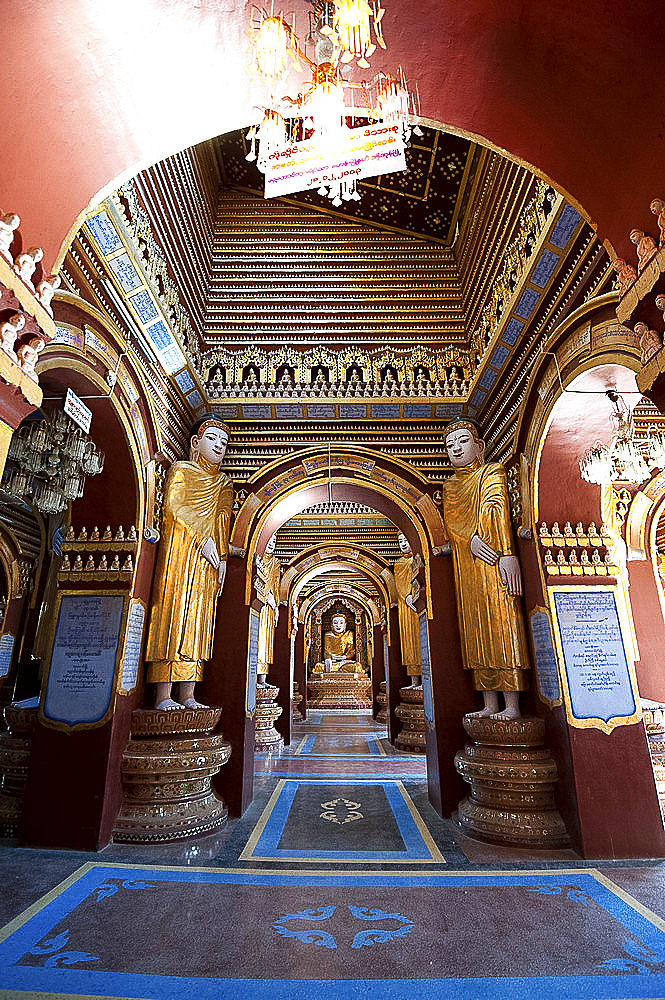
(210, 553)
(221, 573)
(511, 575)
(481, 550)
(408, 600)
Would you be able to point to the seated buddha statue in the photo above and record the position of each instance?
(339, 649)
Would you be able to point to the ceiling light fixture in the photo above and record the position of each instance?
(335, 131)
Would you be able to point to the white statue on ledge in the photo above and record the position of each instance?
(9, 331)
(8, 224)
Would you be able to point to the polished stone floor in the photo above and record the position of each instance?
(339, 881)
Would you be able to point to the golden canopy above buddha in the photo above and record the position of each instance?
(339, 648)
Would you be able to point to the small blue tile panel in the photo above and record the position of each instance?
(184, 381)
(101, 228)
(478, 398)
(351, 411)
(544, 269)
(254, 412)
(144, 306)
(417, 410)
(488, 379)
(448, 409)
(384, 411)
(160, 336)
(526, 304)
(499, 357)
(126, 272)
(289, 411)
(173, 359)
(565, 227)
(229, 412)
(321, 412)
(195, 399)
(512, 331)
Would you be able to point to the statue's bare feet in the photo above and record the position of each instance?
(507, 714)
(168, 705)
(193, 703)
(482, 713)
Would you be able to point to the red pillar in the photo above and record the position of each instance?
(452, 694)
(378, 667)
(225, 684)
(395, 676)
(280, 674)
(299, 672)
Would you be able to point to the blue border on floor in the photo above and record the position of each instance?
(267, 846)
(612, 985)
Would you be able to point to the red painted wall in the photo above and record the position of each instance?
(91, 92)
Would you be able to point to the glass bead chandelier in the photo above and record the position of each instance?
(48, 461)
(623, 460)
(341, 32)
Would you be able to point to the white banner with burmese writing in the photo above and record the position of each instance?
(364, 152)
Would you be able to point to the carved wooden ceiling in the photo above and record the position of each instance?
(425, 200)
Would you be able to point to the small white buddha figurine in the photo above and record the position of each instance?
(657, 206)
(26, 263)
(28, 356)
(46, 290)
(8, 224)
(646, 247)
(627, 274)
(650, 341)
(9, 331)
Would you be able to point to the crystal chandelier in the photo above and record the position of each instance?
(335, 131)
(622, 460)
(49, 460)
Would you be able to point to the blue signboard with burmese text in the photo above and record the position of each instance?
(81, 677)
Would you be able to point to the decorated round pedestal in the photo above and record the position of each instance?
(266, 737)
(411, 713)
(295, 701)
(167, 770)
(339, 690)
(15, 747)
(382, 701)
(512, 778)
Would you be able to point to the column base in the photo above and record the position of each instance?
(266, 737)
(512, 778)
(411, 713)
(382, 701)
(167, 770)
(295, 701)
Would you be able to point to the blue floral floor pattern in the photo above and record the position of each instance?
(125, 931)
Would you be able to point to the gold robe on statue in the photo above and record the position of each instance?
(198, 498)
(339, 645)
(409, 632)
(490, 620)
(272, 571)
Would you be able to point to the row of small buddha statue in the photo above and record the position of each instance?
(26, 262)
(572, 566)
(25, 265)
(27, 355)
(651, 340)
(577, 537)
(107, 536)
(451, 385)
(77, 566)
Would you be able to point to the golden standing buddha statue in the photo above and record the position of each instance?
(488, 580)
(339, 648)
(191, 566)
(269, 568)
(409, 631)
